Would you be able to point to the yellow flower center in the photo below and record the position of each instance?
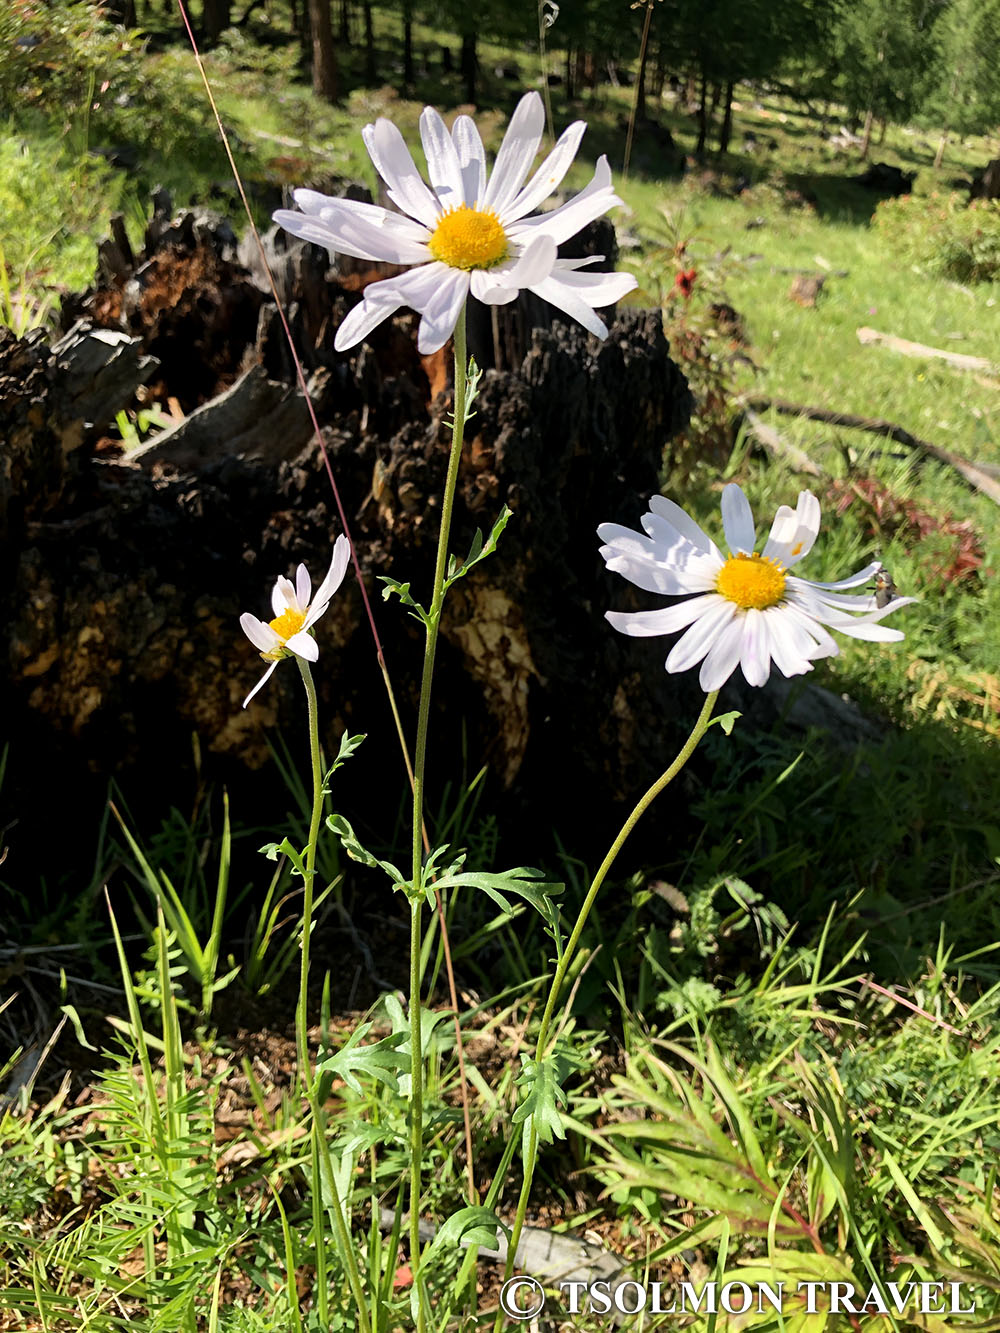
(288, 623)
(469, 238)
(751, 581)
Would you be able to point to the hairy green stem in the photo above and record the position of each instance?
(419, 765)
(344, 1242)
(685, 753)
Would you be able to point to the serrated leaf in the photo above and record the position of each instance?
(524, 881)
(541, 1081)
(381, 1060)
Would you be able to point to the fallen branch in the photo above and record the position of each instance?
(984, 477)
(776, 445)
(959, 360)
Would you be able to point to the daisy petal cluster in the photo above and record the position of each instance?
(465, 233)
(295, 613)
(746, 609)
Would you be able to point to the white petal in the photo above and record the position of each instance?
(334, 578)
(382, 299)
(684, 524)
(818, 642)
(666, 620)
(471, 158)
(260, 684)
(442, 159)
(549, 174)
(722, 659)
(303, 585)
(862, 576)
(653, 576)
(326, 205)
(587, 261)
(755, 658)
(388, 150)
(592, 202)
(441, 312)
(737, 520)
(794, 531)
(517, 152)
(283, 597)
(497, 286)
(365, 316)
(695, 642)
(787, 644)
(491, 289)
(262, 636)
(303, 645)
(344, 231)
(866, 629)
(597, 289)
(555, 291)
(347, 235)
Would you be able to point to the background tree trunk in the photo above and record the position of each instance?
(216, 18)
(702, 115)
(371, 75)
(324, 55)
(469, 66)
(726, 130)
(408, 73)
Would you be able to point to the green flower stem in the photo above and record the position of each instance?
(301, 1019)
(700, 727)
(344, 1242)
(419, 765)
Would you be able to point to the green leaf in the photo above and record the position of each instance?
(541, 1082)
(524, 881)
(381, 1060)
(348, 744)
(726, 721)
(339, 825)
(402, 591)
(478, 551)
(272, 850)
(70, 1011)
(469, 1226)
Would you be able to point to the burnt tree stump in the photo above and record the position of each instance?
(126, 572)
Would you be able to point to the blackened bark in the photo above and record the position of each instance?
(125, 575)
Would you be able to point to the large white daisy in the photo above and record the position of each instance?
(743, 609)
(465, 234)
(295, 613)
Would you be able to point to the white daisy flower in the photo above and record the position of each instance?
(465, 234)
(743, 609)
(294, 615)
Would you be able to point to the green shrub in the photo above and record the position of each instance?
(946, 236)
